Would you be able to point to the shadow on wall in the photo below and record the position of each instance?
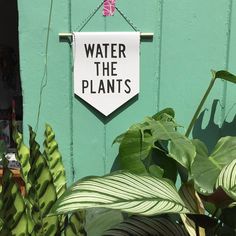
(212, 133)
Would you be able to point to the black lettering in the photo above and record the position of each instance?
(111, 86)
(119, 82)
(84, 85)
(105, 49)
(122, 50)
(91, 87)
(89, 49)
(101, 87)
(113, 68)
(99, 51)
(97, 63)
(127, 81)
(105, 69)
(113, 50)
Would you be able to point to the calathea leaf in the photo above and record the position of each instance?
(227, 179)
(98, 220)
(13, 209)
(206, 168)
(42, 193)
(127, 192)
(23, 156)
(54, 160)
(144, 226)
(194, 204)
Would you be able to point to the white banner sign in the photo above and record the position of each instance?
(106, 68)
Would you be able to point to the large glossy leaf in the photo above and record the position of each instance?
(181, 149)
(124, 191)
(42, 194)
(144, 226)
(206, 168)
(137, 144)
(54, 160)
(227, 179)
(133, 149)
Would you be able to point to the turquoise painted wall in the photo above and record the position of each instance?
(190, 39)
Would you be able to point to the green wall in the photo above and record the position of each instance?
(190, 39)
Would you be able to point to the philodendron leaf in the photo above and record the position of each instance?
(144, 226)
(182, 150)
(132, 150)
(159, 115)
(225, 75)
(206, 168)
(127, 192)
(138, 142)
(227, 179)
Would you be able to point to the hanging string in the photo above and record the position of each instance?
(135, 28)
(88, 18)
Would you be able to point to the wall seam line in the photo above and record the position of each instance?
(228, 41)
(158, 76)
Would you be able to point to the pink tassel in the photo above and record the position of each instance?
(109, 7)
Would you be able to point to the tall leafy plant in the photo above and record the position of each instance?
(151, 155)
(44, 178)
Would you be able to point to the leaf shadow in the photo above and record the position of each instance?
(213, 132)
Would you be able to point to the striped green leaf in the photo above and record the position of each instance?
(206, 168)
(42, 194)
(128, 192)
(23, 156)
(13, 213)
(54, 160)
(194, 204)
(144, 226)
(227, 179)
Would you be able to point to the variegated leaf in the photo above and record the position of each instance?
(131, 193)
(227, 179)
(144, 226)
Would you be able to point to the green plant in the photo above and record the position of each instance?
(151, 156)
(45, 181)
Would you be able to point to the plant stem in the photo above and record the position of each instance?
(199, 108)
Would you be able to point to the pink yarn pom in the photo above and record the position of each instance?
(109, 7)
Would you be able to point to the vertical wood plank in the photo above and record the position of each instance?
(194, 40)
(88, 126)
(230, 106)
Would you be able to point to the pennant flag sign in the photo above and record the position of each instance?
(109, 7)
(106, 68)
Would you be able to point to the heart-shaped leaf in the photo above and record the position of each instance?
(206, 168)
